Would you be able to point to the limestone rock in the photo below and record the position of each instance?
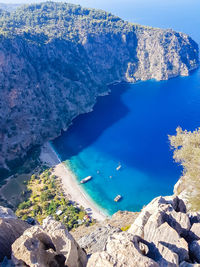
(166, 236)
(10, 230)
(95, 241)
(163, 233)
(64, 243)
(49, 246)
(35, 248)
(195, 231)
(195, 250)
(166, 206)
(122, 249)
(7, 213)
(187, 264)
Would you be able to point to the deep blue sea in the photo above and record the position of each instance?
(131, 125)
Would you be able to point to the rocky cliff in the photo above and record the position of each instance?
(55, 59)
(164, 234)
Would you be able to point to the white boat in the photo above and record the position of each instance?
(117, 198)
(119, 167)
(86, 179)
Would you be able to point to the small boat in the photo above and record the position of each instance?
(117, 198)
(86, 179)
(118, 167)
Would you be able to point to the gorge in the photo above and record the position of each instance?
(56, 62)
(57, 67)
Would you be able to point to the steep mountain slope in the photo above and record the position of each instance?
(56, 58)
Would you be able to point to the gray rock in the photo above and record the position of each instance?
(10, 230)
(122, 249)
(64, 243)
(47, 246)
(35, 248)
(7, 213)
(95, 241)
(168, 206)
(194, 217)
(195, 231)
(167, 237)
(187, 264)
(194, 249)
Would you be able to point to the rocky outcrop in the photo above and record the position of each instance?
(7, 213)
(35, 248)
(53, 71)
(123, 250)
(164, 234)
(50, 245)
(11, 228)
(118, 220)
(95, 241)
(64, 243)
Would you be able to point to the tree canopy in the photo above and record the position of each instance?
(60, 20)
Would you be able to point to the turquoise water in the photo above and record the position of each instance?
(131, 127)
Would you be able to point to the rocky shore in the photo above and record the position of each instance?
(164, 234)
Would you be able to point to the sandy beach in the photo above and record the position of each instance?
(72, 189)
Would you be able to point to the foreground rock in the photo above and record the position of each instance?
(164, 234)
(7, 213)
(10, 230)
(95, 241)
(118, 220)
(51, 245)
(64, 243)
(123, 250)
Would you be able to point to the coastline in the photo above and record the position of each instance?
(71, 188)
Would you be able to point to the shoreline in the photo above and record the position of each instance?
(71, 188)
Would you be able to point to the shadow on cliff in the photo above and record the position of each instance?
(87, 128)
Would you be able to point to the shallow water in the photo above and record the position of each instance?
(131, 127)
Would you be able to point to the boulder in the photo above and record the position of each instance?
(166, 205)
(10, 230)
(7, 213)
(64, 243)
(35, 248)
(194, 248)
(195, 231)
(47, 246)
(165, 224)
(95, 241)
(123, 249)
(165, 236)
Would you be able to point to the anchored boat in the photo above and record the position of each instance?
(86, 179)
(117, 198)
(119, 167)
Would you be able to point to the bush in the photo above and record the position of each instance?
(25, 205)
(125, 228)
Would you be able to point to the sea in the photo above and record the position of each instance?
(129, 128)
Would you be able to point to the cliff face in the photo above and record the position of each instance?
(55, 59)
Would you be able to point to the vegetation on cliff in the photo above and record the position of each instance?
(50, 20)
(186, 146)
